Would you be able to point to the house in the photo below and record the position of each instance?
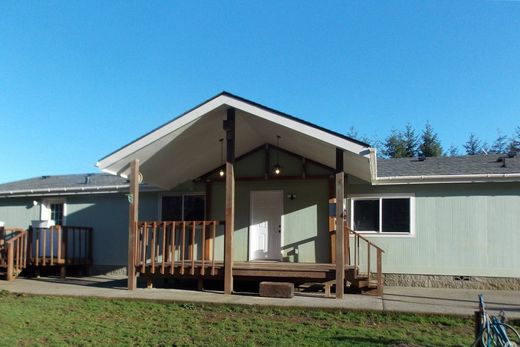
(232, 190)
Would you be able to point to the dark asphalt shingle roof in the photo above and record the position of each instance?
(465, 165)
(77, 181)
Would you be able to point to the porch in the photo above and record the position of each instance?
(187, 150)
(188, 249)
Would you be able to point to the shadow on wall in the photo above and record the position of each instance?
(305, 237)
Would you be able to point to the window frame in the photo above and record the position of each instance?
(379, 233)
(181, 194)
(45, 209)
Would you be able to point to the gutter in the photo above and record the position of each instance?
(70, 191)
(431, 179)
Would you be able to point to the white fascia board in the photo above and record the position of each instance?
(71, 191)
(324, 136)
(297, 126)
(158, 134)
(437, 179)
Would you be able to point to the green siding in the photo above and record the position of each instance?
(461, 229)
(18, 212)
(305, 237)
(106, 213)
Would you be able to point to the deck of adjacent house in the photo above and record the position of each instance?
(39, 248)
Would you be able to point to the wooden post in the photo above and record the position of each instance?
(340, 234)
(10, 261)
(132, 222)
(229, 127)
(332, 230)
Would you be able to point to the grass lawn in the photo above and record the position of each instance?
(38, 320)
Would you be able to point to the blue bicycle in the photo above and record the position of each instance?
(494, 331)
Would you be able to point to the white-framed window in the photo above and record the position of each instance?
(182, 207)
(54, 209)
(384, 214)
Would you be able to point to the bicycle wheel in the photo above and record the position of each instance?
(512, 335)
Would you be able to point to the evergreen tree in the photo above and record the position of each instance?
(500, 144)
(473, 146)
(352, 132)
(410, 141)
(430, 145)
(453, 151)
(514, 144)
(394, 145)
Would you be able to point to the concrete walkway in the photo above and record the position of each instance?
(398, 299)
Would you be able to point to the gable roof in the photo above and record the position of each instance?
(463, 168)
(188, 146)
(64, 184)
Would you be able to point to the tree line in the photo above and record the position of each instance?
(407, 143)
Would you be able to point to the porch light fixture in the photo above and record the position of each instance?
(221, 173)
(277, 167)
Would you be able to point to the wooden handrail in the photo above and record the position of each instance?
(16, 252)
(356, 262)
(167, 245)
(363, 238)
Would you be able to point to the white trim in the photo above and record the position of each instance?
(45, 212)
(213, 104)
(433, 179)
(380, 197)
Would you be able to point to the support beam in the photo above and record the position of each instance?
(133, 216)
(229, 127)
(340, 234)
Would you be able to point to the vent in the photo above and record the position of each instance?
(421, 158)
(45, 177)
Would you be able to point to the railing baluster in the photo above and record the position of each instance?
(368, 261)
(203, 240)
(143, 253)
(37, 243)
(182, 245)
(379, 273)
(192, 246)
(137, 244)
(44, 246)
(172, 259)
(26, 250)
(52, 245)
(213, 232)
(59, 246)
(10, 265)
(152, 247)
(163, 247)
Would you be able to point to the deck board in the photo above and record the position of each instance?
(260, 269)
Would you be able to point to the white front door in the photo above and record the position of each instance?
(266, 225)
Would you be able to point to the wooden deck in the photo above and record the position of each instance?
(256, 269)
(186, 249)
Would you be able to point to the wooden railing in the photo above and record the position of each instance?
(353, 256)
(167, 245)
(60, 245)
(16, 251)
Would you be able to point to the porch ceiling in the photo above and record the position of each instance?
(188, 146)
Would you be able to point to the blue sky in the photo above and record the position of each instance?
(80, 79)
